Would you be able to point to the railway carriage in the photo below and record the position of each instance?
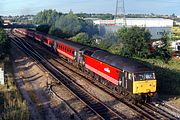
(30, 33)
(21, 31)
(71, 50)
(48, 41)
(38, 36)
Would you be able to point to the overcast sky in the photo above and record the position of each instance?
(19, 7)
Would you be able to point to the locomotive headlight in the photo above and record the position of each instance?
(137, 87)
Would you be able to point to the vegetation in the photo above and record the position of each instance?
(105, 42)
(69, 24)
(63, 25)
(168, 76)
(176, 33)
(4, 44)
(82, 38)
(46, 17)
(134, 41)
(164, 51)
(13, 106)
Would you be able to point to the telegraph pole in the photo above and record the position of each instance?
(120, 12)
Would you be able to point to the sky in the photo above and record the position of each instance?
(24, 7)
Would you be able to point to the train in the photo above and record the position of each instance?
(124, 76)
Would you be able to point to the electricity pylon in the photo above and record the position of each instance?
(120, 12)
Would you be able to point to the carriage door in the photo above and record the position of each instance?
(125, 79)
(81, 59)
(122, 80)
(75, 55)
(54, 45)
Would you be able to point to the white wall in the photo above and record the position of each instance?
(155, 25)
(141, 22)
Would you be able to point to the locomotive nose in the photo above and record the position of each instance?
(144, 86)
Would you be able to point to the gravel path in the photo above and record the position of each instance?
(34, 114)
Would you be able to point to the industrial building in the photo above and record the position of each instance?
(156, 26)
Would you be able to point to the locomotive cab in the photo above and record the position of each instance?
(141, 84)
(144, 83)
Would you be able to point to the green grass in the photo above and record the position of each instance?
(168, 76)
(14, 106)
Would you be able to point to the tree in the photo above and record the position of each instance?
(81, 38)
(56, 32)
(4, 46)
(88, 27)
(164, 52)
(46, 17)
(116, 48)
(69, 24)
(134, 41)
(63, 25)
(104, 42)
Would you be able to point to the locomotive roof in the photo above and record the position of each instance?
(120, 62)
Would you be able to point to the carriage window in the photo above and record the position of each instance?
(130, 76)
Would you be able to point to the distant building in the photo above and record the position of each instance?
(177, 22)
(7, 22)
(156, 26)
(175, 45)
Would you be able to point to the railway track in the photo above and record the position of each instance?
(147, 110)
(166, 108)
(94, 105)
(156, 112)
